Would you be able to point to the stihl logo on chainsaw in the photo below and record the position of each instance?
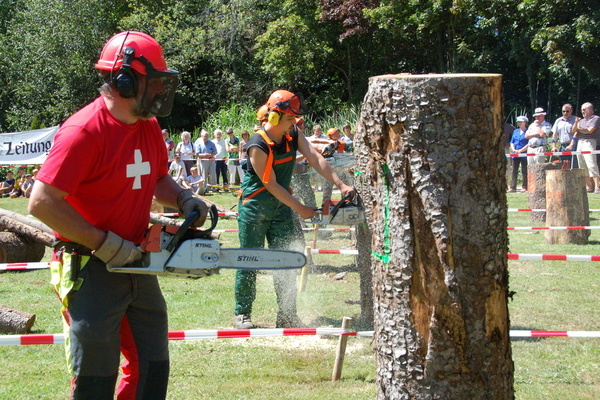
(200, 244)
(248, 258)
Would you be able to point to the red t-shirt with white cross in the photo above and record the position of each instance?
(108, 168)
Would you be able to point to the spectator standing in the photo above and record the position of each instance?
(186, 150)
(177, 169)
(538, 133)
(8, 185)
(96, 196)
(233, 148)
(243, 151)
(206, 151)
(562, 133)
(265, 204)
(518, 145)
(221, 157)
(586, 133)
(169, 144)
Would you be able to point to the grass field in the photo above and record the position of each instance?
(549, 296)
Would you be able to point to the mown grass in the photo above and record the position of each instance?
(548, 296)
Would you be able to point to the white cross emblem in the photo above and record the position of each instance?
(137, 169)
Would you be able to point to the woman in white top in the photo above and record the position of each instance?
(185, 149)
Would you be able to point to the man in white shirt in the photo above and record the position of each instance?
(562, 135)
(538, 133)
(221, 156)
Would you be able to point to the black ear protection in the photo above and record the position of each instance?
(124, 80)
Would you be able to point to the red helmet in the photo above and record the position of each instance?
(147, 57)
(287, 102)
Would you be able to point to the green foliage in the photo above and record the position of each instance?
(240, 118)
(238, 51)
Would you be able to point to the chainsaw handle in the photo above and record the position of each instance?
(344, 200)
(187, 224)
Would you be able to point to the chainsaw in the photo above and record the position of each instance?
(183, 251)
(347, 211)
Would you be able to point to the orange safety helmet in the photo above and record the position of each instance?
(287, 102)
(148, 57)
(332, 131)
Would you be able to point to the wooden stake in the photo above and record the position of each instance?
(341, 351)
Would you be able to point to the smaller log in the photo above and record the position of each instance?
(15, 321)
(28, 231)
(34, 223)
(567, 205)
(536, 187)
(17, 248)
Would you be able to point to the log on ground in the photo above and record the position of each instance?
(17, 248)
(15, 321)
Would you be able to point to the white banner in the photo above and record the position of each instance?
(26, 148)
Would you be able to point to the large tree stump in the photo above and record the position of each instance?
(430, 147)
(15, 321)
(16, 248)
(567, 205)
(536, 189)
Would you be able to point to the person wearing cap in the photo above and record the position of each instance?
(538, 133)
(96, 196)
(519, 145)
(265, 202)
(562, 133)
(585, 134)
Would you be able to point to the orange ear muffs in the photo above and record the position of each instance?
(274, 118)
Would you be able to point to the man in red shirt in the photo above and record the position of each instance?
(95, 189)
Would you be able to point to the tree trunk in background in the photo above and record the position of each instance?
(430, 148)
(536, 189)
(567, 205)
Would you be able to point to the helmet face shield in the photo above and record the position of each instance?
(294, 105)
(159, 93)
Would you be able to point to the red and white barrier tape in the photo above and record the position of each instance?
(304, 229)
(24, 266)
(349, 252)
(553, 153)
(542, 209)
(541, 228)
(59, 338)
(552, 257)
(221, 214)
(353, 252)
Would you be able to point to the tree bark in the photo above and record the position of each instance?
(15, 321)
(430, 148)
(16, 248)
(363, 263)
(567, 205)
(536, 189)
(27, 231)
